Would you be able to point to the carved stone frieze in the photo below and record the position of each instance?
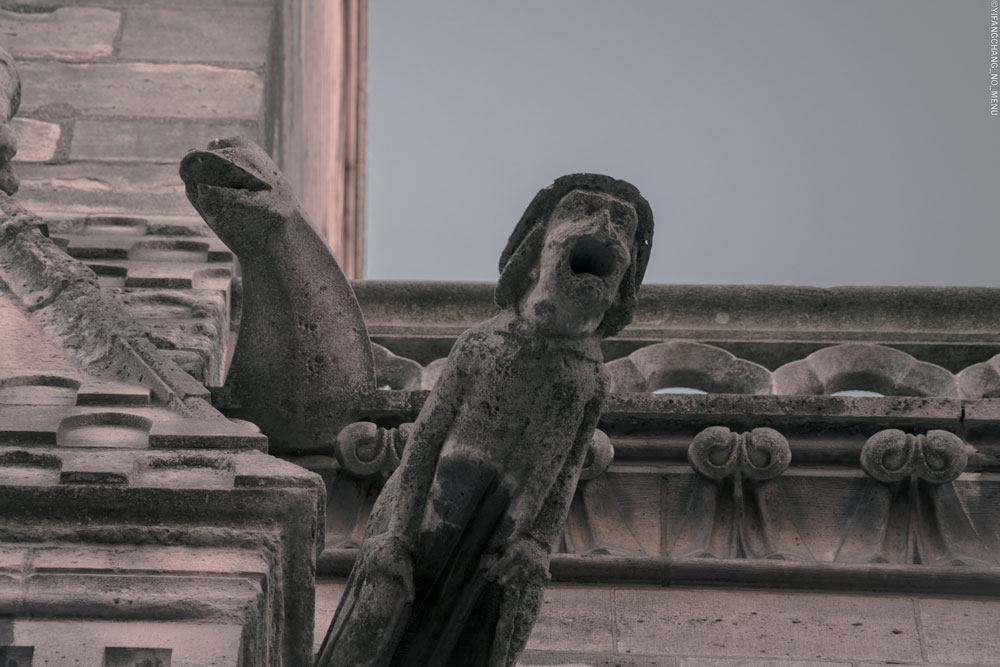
(711, 369)
(736, 508)
(688, 364)
(909, 511)
(864, 366)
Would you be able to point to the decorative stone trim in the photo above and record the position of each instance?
(909, 511)
(688, 364)
(864, 366)
(736, 507)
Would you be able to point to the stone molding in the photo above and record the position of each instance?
(850, 366)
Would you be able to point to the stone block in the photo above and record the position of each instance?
(579, 659)
(769, 625)
(574, 619)
(36, 139)
(144, 89)
(328, 593)
(88, 188)
(743, 662)
(961, 631)
(101, 642)
(69, 33)
(49, 5)
(147, 140)
(197, 35)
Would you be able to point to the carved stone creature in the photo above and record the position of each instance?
(456, 552)
(10, 100)
(303, 358)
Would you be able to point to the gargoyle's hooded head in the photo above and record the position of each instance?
(591, 262)
(237, 189)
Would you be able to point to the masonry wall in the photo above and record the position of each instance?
(115, 92)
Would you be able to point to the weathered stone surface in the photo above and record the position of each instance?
(69, 33)
(688, 364)
(303, 358)
(37, 139)
(574, 619)
(866, 367)
(745, 662)
(84, 188)
(456, 551)
(189, 34)
(147, 140)
(766, 624)
(961, 631)
(145, 89)
(99, 643)
(770, 325)
(49, 5)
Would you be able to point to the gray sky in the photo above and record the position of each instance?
(777, 141)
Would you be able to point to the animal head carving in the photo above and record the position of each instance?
(238, 189)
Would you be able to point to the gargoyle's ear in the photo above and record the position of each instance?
(520, 271)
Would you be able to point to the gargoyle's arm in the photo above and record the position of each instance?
(420, 456)
(548, 522)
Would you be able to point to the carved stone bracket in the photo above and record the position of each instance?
(909, 511)
(736, 508)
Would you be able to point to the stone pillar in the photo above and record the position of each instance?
(319, 121)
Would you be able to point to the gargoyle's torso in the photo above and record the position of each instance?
(522, 402)
(526, 399)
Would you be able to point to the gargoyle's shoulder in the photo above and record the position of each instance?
(476, 341)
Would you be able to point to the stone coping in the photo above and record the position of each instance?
(730, 573)
(767, 324)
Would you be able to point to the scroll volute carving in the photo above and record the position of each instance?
(892, 455)
(909, 512)
(718, 453)
(736, 508)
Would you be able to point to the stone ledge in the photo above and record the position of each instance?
(768, 324)
(721, 573)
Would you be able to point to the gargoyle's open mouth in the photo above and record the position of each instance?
(591, 256)
(204, 168)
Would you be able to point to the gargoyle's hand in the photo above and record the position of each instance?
(388, 557)
(523, 561)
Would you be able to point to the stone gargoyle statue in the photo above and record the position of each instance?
(303, 359)
(456, 551)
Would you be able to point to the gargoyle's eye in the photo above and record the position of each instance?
(591, 256)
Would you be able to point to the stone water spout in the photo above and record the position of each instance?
(303, 357)
(456, 552)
